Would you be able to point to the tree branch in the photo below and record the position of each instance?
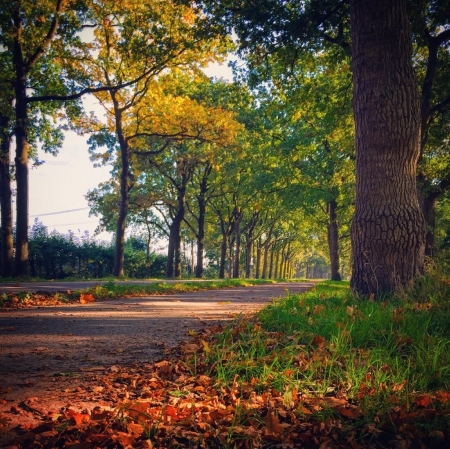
(40, 50)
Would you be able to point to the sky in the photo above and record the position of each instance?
(57, 188)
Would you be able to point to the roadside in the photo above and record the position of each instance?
(62, 286)
(61, 356)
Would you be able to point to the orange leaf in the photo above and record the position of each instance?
(443, 397)
(137, 409)
(319, 341)
(423, 400)
(347, 412)
(86, 299)
(273, 424)
(78, 418)
(125, 439)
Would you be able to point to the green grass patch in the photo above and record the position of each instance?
(114, 289)
(378, 356)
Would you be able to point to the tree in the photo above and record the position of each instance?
(388, 231)
(126, 52)
(28, 31)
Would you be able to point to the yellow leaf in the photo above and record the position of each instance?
(206, 347)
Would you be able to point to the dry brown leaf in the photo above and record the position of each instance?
(273, 425)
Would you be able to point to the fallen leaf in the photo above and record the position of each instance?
(273, 425)
(78, 418)
(347, 412)
(423, 400)
(206, 347)
(86, 298)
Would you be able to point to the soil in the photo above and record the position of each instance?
(60, 356)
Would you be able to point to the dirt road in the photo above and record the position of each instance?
(50, 356)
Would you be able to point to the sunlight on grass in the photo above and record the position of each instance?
(379, 356)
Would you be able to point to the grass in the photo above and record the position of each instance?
(113, 289)
(379, 356)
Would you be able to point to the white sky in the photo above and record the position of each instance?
(59, 186)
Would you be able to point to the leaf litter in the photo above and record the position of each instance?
(177, 402)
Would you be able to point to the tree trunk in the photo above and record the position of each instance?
(125, 187)
(223, 256)
(7, 256)
(258, 258)
(177, 272)
(271, 263)
(428, 207)
(281, 266)
(388, 232)
(171, 252)
(266, 259)
(21, 162)
(248, 258)
(201, 234)
(333, 240)
(277, 264)
(237, 254)
(174, 250)
(230, 256)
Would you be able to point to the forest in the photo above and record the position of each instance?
(303, 165)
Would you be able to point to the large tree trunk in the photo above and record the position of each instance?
(7, 256)
(21, 162)
(333, 240)
(125, 188)
(388, 232)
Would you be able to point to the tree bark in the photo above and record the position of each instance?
(333, 240)
(277, 264)
(271, 263)
(7, 256)
(248, 258)
(21, 163)
(125, 187)
(258, 258)
(237, 253)
(173, 268)
(201, 230)
(171, 252)
(428, 207)
(388, 232)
